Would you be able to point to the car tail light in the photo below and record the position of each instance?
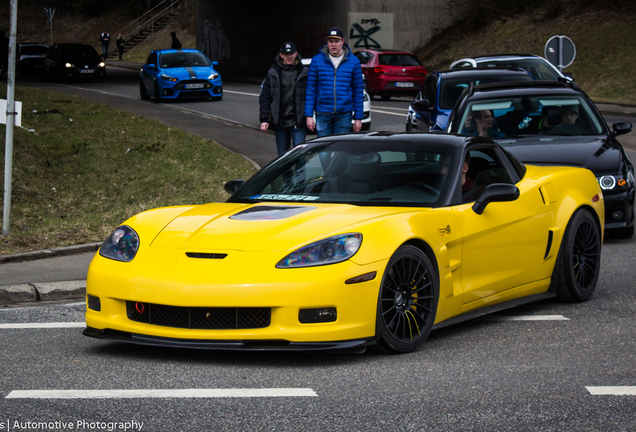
(421, 72)
(380, 70)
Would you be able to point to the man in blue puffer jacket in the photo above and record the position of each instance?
(334, 88)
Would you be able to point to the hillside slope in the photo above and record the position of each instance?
(605, 47)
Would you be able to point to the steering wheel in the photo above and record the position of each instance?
(566, 129)
(425, 187)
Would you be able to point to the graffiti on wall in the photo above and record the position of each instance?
(215, 44)
(370, 30)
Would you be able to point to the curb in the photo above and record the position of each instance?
(45, 291)
(50, 253)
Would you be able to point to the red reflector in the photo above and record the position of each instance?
(141, 308)
(595, 198)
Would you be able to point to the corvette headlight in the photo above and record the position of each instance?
(168, 78)
(328, 251)
(213, 76)
(122, 245)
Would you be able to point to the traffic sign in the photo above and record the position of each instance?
(560, 51)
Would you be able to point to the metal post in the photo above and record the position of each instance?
(560, 53)
(8, 157)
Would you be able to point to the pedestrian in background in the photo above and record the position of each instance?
(335, 88)
(176, 44)
(120, 41)
(282, 99)
(105, 40)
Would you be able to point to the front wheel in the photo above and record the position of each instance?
(407, 303)
(579, 261)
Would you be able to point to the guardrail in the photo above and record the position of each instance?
(148, 19)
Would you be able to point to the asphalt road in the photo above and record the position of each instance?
(533, 368)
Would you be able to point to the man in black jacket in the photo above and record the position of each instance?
(282, 99)
(104, 38)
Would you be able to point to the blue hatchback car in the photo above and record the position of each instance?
(179, 74)
(432, 106)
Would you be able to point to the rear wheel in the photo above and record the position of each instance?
(385, 96)
(407, 303)
(579, 261)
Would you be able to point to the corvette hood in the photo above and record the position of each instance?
(259, 227)
(592, 152)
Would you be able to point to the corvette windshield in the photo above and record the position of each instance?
(356, 173)
(182, 59)
(537, 115)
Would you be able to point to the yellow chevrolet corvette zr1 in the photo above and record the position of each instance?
(349, 241)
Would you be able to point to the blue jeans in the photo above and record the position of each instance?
(330, 124)
(105, 51)
(287, 138)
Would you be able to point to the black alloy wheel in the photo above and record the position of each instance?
(579, 261)
(142, 90)
(408, 301)
(157, 94)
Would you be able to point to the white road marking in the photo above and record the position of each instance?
(402, 114)
(167, 393)
(243, 93)
(43, 325)
(524, 318)
(615, 391)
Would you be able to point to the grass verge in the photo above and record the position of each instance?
(80, 168)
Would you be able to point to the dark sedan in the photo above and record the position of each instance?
(67, 61)
(552, 123)
(31, 58)
(431, 107)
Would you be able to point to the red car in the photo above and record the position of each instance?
(391, 72)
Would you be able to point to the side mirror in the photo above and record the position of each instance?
(215, 63)
(496, 192)
(621, 128)
(233, 185)
(152, 66)
(422, 105)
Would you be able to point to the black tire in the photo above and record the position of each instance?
(385, 96)
(366, 126)
(142, 91)
(407, 302)
(579, 262)
(157, 93)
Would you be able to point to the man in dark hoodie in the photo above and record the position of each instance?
(282, 99)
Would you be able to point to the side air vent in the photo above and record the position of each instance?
(549, 246)
(205, 255)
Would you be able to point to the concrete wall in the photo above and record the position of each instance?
(245, 37)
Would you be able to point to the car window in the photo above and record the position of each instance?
(33, 50)
(364, 56)
(394, 174)
(399, 60)
(182, 59)
(451, 89)
(544, 115)
(152, 58)
(537, 67)
(485, 167)
(430, 89)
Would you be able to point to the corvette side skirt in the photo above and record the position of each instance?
(354, 345)
(494, 308)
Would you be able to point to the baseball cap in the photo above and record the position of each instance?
(288, 48)
(335, 32)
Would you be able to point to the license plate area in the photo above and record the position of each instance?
(87, 70)
(404, 84)
(194, 86)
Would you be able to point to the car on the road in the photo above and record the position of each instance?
(73, 61)
(391, 73)
(431, 107)
(30, 58)
(552, 123)
(539, 67)
(172, 74)
(348, 241)
(366, 105)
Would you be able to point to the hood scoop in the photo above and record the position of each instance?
(205, 255)
(261, 213)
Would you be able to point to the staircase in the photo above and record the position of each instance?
(146, 25)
